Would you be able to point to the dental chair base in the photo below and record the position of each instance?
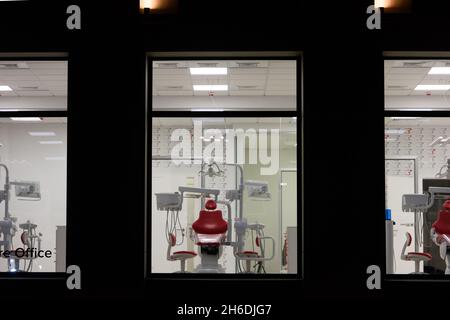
(209, 264)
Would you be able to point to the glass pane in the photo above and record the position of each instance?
(33, 182)
(242, 164)
(218, 85)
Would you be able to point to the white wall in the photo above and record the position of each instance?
(415, 141)
(28, 160)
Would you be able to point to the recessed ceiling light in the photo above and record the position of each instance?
(404, 118)
(55, 158)
(208, 71)
(395, 131)
(207, 110)
(26, 119)
(210, 87)
(42, 134)
(50, 142)
(439, 70)
(432, 87)
(5, 88)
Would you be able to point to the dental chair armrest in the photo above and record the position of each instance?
(272, 240)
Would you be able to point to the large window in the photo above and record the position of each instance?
(33, 162)
(417, 166)
(225, 145)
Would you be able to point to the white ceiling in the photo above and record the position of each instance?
(44, 120)
(244, 78)
(403, 76)
(34, 78)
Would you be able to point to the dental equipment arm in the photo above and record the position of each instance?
(229, 220)
(5, 193)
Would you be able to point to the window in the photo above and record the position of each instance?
(223, 197)
(33, 165)
(417, 124)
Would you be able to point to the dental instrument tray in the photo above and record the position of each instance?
(168, 201)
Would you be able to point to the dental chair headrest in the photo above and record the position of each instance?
(212, 205)
(446, 205)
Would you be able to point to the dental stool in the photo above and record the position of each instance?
(210, 232)
(181, 256)
(417, 257)
(440, 234)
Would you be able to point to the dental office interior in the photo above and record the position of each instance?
(33, 150)
(224, 188)
(417, 166)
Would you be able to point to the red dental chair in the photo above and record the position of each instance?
(181, 256)
(210, 231)
(440, 233)
(210, 227)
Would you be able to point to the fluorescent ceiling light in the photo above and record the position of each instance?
(210, 87)
(25, 119)
(50, 142)
(208, 71)
(439, 70)
(42, 134)
(432, 87)
(404, 118)
(394, 131)
(5, 88)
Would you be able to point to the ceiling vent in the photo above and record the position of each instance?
(173, 87)
(13, 65)
(207, 64)
(393, 87)
(31, 88)
(417, 64)
(247, 87)
(248, 64)
(168, 65)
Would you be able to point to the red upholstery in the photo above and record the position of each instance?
(409, 239)
(423, 254)
(249, 252)
(173, 239)
(210, 205)
(442, 224)
(186, 252)
(210, 221)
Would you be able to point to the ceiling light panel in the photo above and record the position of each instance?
(439, 70)
(208, 71)
(5, 88)
(208, 87)
(432, 87)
